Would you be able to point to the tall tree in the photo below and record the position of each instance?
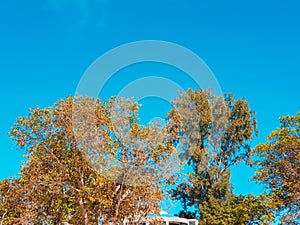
(85, 159)
(214, 136)
(279, 161)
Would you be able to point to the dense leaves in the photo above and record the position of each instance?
(280, 168)
(68, 147)
(214, 136)
(87, 159)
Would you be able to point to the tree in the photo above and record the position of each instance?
(214, 136)
(279, 168)
(9, 205)
(85, 159)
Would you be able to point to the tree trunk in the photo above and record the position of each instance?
(84, 212)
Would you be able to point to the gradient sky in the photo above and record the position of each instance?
(253, 48)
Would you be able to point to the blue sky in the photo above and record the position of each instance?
(253, 48)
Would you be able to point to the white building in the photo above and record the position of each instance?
(166, 219)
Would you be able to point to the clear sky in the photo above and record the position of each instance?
(253, 48)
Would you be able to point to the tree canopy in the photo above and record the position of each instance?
(279, 168)
(86, 158)
(215, 134)
(63, 179)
